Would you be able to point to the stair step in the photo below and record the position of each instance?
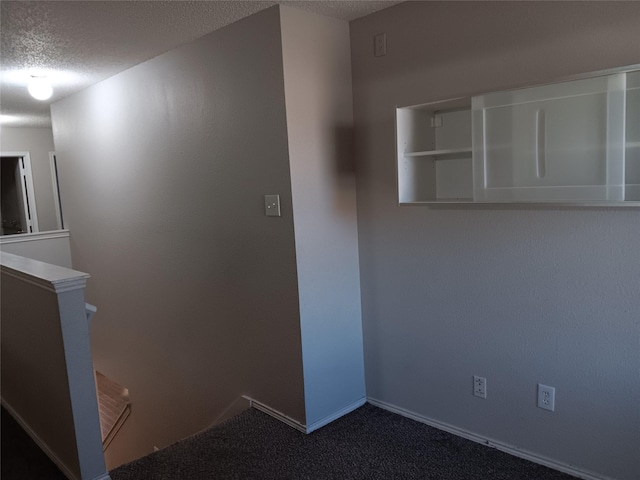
(113, 405)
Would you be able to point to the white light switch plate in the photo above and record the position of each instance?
(272, 205)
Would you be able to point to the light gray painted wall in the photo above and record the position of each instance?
(163, 171)
(518, 295)
(38, 142)
(317, 79)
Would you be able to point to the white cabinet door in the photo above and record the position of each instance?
(632, 154)
(555, 143)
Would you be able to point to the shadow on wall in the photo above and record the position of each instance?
(344, 152)
(343, 173)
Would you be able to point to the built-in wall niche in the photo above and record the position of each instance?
(434, 152)
(573, 142)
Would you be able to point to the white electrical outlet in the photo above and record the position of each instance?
(546, 397)
(480, 386)
(380, 44)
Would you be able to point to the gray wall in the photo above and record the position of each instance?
(317, 79)
(518, 295)
(38, 142)
(163, 169)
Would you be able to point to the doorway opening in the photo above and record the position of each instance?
(17, 199)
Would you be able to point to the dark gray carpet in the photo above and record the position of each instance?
(22, 459)
(369, 443)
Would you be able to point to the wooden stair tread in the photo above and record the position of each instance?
(113, 406)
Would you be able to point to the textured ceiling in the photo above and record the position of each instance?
(79, 43)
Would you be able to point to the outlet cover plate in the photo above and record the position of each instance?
(272, 205)
(479, 386)
(380, 45)
(546, 397)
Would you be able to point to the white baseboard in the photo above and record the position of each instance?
(277, 415)
(43, 446)
(515, 451)
(326, 420)
(299, 426)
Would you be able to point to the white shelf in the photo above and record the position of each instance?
(571, 143)
(449, 152)
(442, 201)
(434, 152)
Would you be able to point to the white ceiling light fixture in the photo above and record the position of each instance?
(39, 87)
